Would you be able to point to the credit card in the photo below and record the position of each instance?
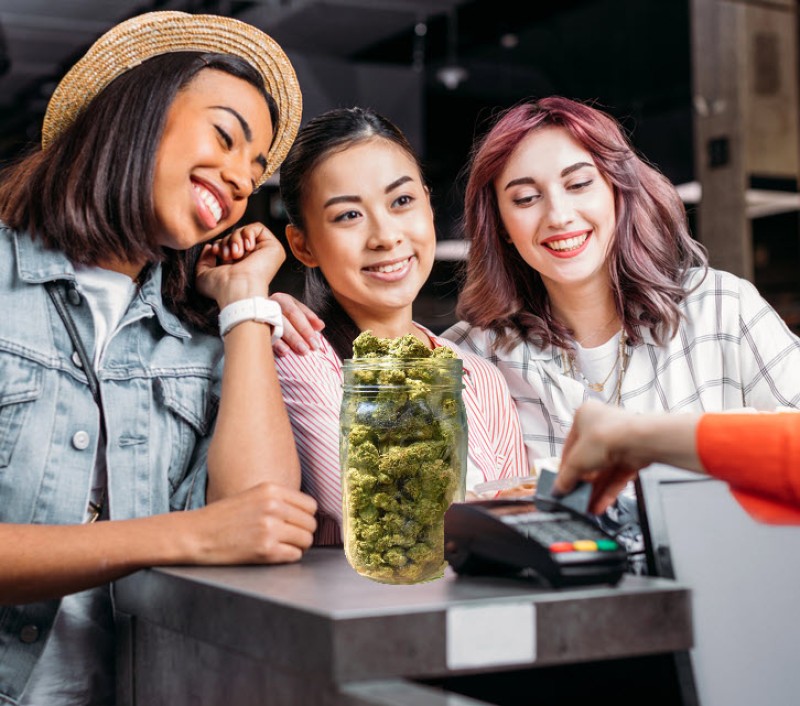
(577, 500)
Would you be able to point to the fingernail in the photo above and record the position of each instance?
(235, 249)
(317, 342)
(303, 348)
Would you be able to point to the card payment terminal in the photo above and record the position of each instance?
(533, 537)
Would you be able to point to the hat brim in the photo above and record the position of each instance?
(129, 43)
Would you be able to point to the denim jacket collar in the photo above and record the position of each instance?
(37, 264)
(150, 294)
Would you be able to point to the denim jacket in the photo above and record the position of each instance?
(159, 386)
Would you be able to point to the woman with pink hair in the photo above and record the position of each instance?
(583, 282)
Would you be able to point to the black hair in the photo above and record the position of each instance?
(332, 131)
(90, 193)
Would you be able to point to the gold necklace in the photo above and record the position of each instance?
(571, 366)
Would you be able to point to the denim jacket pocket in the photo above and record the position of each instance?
(20, 385)
(192, 408)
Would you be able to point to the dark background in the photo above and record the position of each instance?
(629, 57)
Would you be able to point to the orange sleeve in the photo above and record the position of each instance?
(759, 455)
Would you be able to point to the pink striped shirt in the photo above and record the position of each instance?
(312, 391)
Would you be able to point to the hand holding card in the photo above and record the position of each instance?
(577, 499)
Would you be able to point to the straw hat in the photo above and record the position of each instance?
(129, 43)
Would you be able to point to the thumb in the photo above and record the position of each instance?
(206, 261)
(565, 481)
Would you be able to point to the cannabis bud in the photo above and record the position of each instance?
(403, 453)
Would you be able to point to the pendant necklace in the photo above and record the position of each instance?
(571, 366)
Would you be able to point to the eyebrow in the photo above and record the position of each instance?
(248, 133)
(341, 199)
(564, 172)
(357, 199)
(398, 182)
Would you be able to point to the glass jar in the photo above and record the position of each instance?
(403, 458)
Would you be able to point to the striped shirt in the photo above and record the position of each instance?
(312, 390)
(731, 351)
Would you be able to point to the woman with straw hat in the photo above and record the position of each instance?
(113, 405)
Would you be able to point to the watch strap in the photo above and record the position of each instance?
(258, 309)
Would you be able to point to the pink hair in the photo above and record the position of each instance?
(647, 262)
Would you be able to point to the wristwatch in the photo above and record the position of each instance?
(259, 309)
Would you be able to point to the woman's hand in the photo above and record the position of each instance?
(300, 326)
(240, 265)
(608, 446)
(595, 452)
(266, 524)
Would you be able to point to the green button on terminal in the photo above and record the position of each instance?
(607, 545)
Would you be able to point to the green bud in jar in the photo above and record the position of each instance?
(403, 454)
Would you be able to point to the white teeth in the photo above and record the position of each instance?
(390, 268)
(568, 243)
(209, 200)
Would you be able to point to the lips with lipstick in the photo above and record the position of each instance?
(211, 208)
(566, 244)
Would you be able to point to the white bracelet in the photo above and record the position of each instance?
(259, 309)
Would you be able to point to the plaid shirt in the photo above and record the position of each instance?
(731, 351)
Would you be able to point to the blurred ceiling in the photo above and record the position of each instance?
(631, 56)
(40, 39)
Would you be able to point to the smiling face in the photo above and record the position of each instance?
(212, 152)
(368, 226)
(558, 209)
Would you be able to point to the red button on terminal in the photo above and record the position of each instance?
(557, 547)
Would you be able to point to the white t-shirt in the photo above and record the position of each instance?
(599, 365)
(77, 665)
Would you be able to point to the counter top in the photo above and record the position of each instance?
(319, 613)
